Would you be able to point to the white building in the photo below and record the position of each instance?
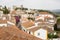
(1, 13)
(35, 30)
(39, 32)
(46, 19)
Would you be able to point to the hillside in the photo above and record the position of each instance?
(57, 12)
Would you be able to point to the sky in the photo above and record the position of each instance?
(35, 4)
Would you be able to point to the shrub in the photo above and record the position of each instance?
(51, 35)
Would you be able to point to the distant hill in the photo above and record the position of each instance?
(56, 12)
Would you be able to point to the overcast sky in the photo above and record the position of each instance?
(37, 4)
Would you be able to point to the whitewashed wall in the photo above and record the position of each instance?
(1, 25)
(43, 34)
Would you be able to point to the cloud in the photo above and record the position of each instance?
(38, 4)
(41, 4)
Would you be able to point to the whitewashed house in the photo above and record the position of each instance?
(31, 14)
(35, 30)
(1, 14)
(41, 27)
(26, 25)
(39, 32)
(46, 19)
(13, 13)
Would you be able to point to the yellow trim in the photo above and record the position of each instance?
(46, 34)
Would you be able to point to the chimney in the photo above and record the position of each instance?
(36, 24)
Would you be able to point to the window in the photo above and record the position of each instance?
(29, 32)
(38, 34)
(24, 30)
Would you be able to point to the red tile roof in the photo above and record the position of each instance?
(3, 21)
(34, 29)
(37, 28)
(44, 13)
(28, 24)
(13, 33)
(13, 12)
(24, 19)
(48, 29)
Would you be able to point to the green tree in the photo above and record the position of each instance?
(51, 35)
(5, 10)
(21, 8)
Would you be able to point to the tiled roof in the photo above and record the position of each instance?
(34, 29)
(44, 13)
(24, 19)
(48, 29)
(13, 33)
(37, 28)
(13, 12)
(38, 16)
(3, 21)
(28, 24)
(47, 17)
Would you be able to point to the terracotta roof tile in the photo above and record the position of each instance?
(47, 17)
(13, 12)
(13, 33)
(3, 21)
(44, 13)
(28, 24)
(34, 29)
(48, 29)
(24, 19)
(37, 28)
